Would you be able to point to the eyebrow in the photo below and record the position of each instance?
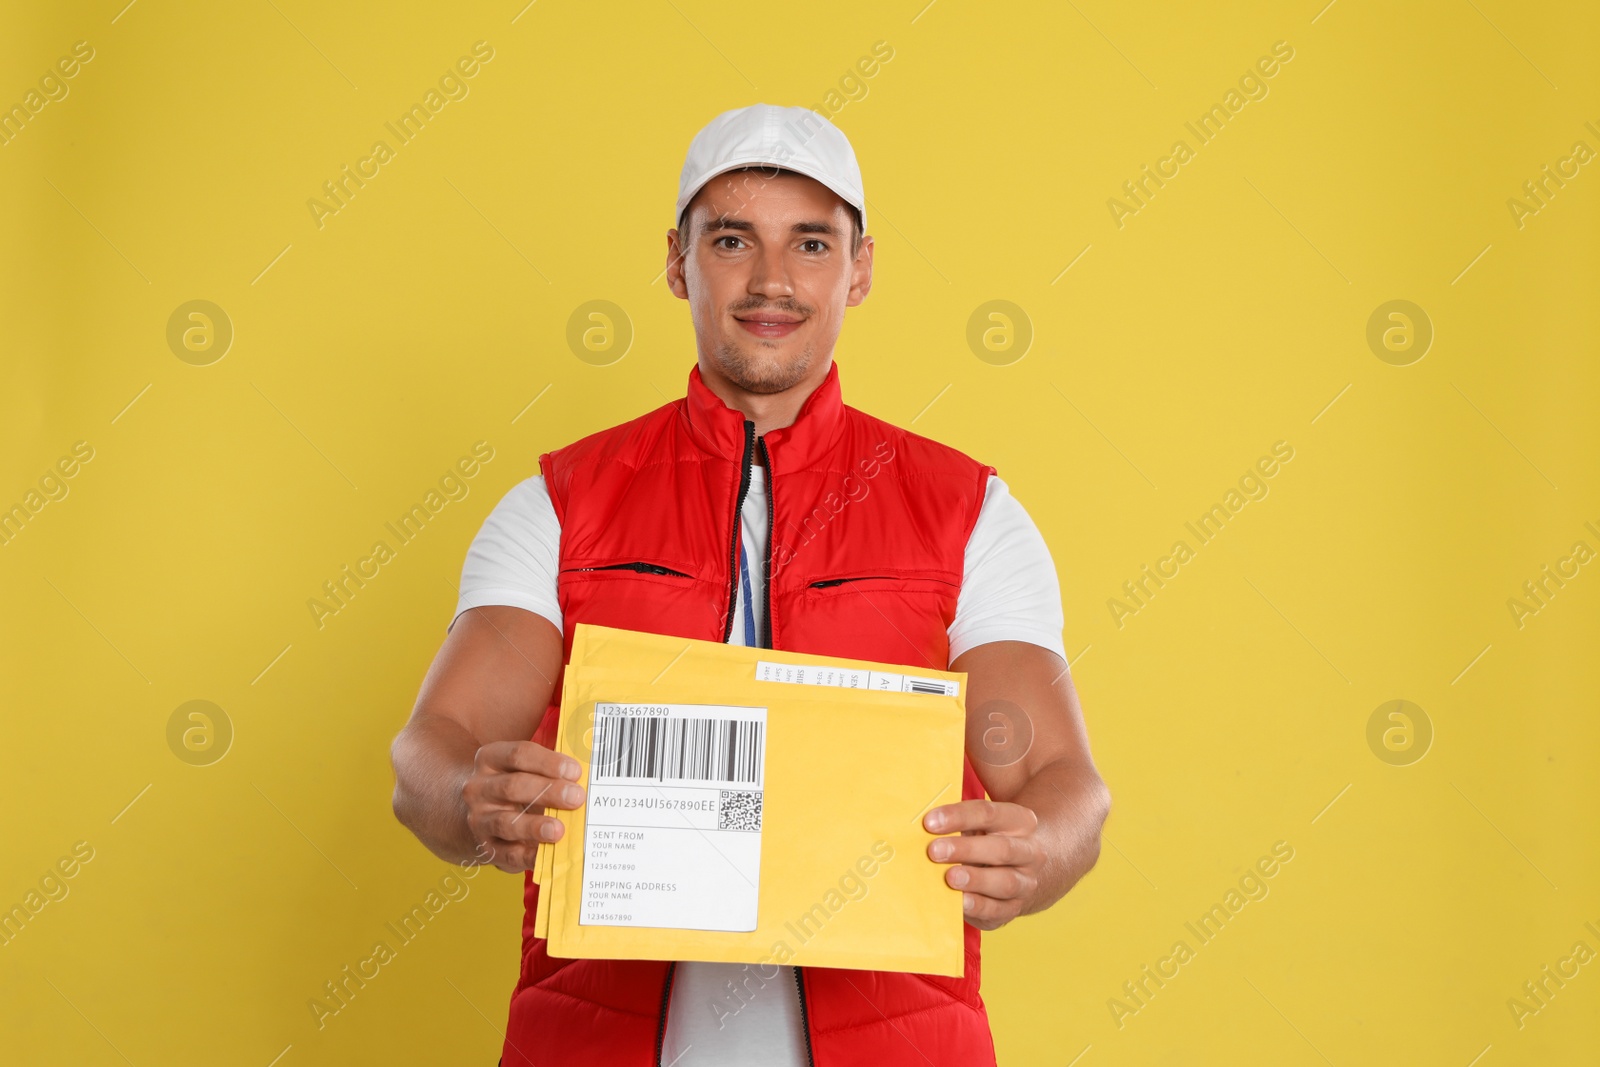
(728, 222)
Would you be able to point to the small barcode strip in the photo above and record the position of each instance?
(927, 687)
(703, 750)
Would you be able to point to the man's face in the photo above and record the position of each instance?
(765, 263)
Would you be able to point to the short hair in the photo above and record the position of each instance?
(775, 172)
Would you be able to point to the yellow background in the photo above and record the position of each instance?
(1229, 313)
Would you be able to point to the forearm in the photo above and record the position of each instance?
(1071, 802)
(433, 757)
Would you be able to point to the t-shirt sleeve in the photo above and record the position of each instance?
(1009, 591)
(514, 558)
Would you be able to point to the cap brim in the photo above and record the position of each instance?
(760, 161)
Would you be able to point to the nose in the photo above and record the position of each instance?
(769, 277)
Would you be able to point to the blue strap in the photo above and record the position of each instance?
(744, 588)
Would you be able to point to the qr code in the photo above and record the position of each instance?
(739, 810)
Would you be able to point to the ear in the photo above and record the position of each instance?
(861, 274)
(675, 266)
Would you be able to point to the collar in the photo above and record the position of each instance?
(719, 428)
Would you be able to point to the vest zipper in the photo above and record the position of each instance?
(661, 1028)
(738, 509)
(733, 593)
(829, 583)
(766, 574)
(766, 586)
(805, 1018)
(642, 568)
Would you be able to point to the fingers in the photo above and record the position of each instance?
(993, 895)
(996, 883)
(527, 757)
(986, 816)
(512, 857)
(989, 913)
(994, 850)
(521, 774)
(995, 856)
(511, 786)
(523, 791)
(511, 837)
(516, 827)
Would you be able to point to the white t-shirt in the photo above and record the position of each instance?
(731, 1014)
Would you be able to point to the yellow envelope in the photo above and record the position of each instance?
(750, 805)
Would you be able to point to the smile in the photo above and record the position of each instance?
(771, 327)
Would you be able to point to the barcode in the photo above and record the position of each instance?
(701, 750)
(855, 678)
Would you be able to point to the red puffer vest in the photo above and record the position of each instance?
(869, 523)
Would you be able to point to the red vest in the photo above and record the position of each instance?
(869, 524)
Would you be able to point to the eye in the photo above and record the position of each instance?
(821, 246)
(725, 237)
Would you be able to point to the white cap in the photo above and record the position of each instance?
(794, 138)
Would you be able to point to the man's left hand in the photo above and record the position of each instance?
(997, 857)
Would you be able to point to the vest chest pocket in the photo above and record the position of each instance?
(891, 618)
(636, 567)
(640, 595)
(898, 595)
(888, 583)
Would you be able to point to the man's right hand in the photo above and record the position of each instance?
(462, 783)
(509, 783)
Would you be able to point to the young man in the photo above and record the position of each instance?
(864, 540)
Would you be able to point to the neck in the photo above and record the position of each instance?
(769, 411)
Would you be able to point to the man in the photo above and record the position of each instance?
(865, 541)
